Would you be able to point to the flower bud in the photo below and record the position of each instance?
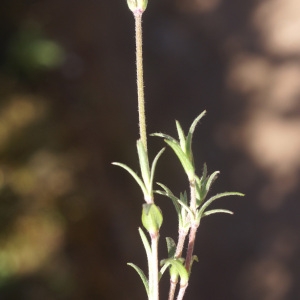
(137, 6)
(152, 218)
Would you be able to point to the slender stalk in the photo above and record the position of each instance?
(153, 269)
(172, 289)
(178, 253)
(194, 227)
(189, 255)
(153, 277)
(181, 239)
(140, 77)
(192, 237)
(182, 292)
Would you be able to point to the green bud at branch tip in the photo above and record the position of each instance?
(137, 6)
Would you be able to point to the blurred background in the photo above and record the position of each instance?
(69, 219)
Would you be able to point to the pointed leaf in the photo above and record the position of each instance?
(169, 194)
(187, 209)
(211, 180)
(162, 270)
(181, 137)
(191, 132)
(186, 163)
(183, 197)
(204, 173)
(134, 175)
(164, 136)
(153, 166)
(142, 276)
(194, 259)
(217, 211)
(146, 244)
(171, 245)
(212, 199)
(177, 268)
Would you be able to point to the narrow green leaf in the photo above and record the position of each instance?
(167, 192)
(178, 269)
(142, 276)
(212, 199)
(181, 136)
(171, 245)
(211, 180)
(153, 166)
(204, 173)
(188, 210)
(164, 136)
(146, 244)
(134, 175)
(186, 163)
(191, 132)
(199, 188)
(216, 211)
(162, 270)
(194, 259)
(144, 165)
(183, 197)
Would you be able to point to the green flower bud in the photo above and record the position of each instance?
(152, 218)
(137, 6)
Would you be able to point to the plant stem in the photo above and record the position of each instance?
(181, 238)
(189, 255)
(153, 277)
(140, 77)
(172, 289)
(181, 292)
(192, 236)
(153, 269)
(194, 226)
(178, 253)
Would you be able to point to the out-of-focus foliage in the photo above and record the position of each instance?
(30, 51)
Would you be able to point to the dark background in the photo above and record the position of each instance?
(69, 219)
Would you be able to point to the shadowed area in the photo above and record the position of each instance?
(69, 219)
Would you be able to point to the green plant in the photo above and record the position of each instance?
(190, 209)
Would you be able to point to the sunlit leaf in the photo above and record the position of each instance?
(134, 175)
(212, 199)
(142, 276)
(181, 136)
(171, 245)
(186, 163)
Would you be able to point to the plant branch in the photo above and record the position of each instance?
(194, 226)
(178, 253)
(140, 77)
(153, 277)
(181, 292)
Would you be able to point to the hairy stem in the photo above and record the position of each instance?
(194, 226)
(189, 255)
(153, 277)
(140, 77)
(181, 239)
(178, 254)
(192, 237)
(181, 292)
(172, 289)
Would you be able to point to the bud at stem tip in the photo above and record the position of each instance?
(137, 6)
